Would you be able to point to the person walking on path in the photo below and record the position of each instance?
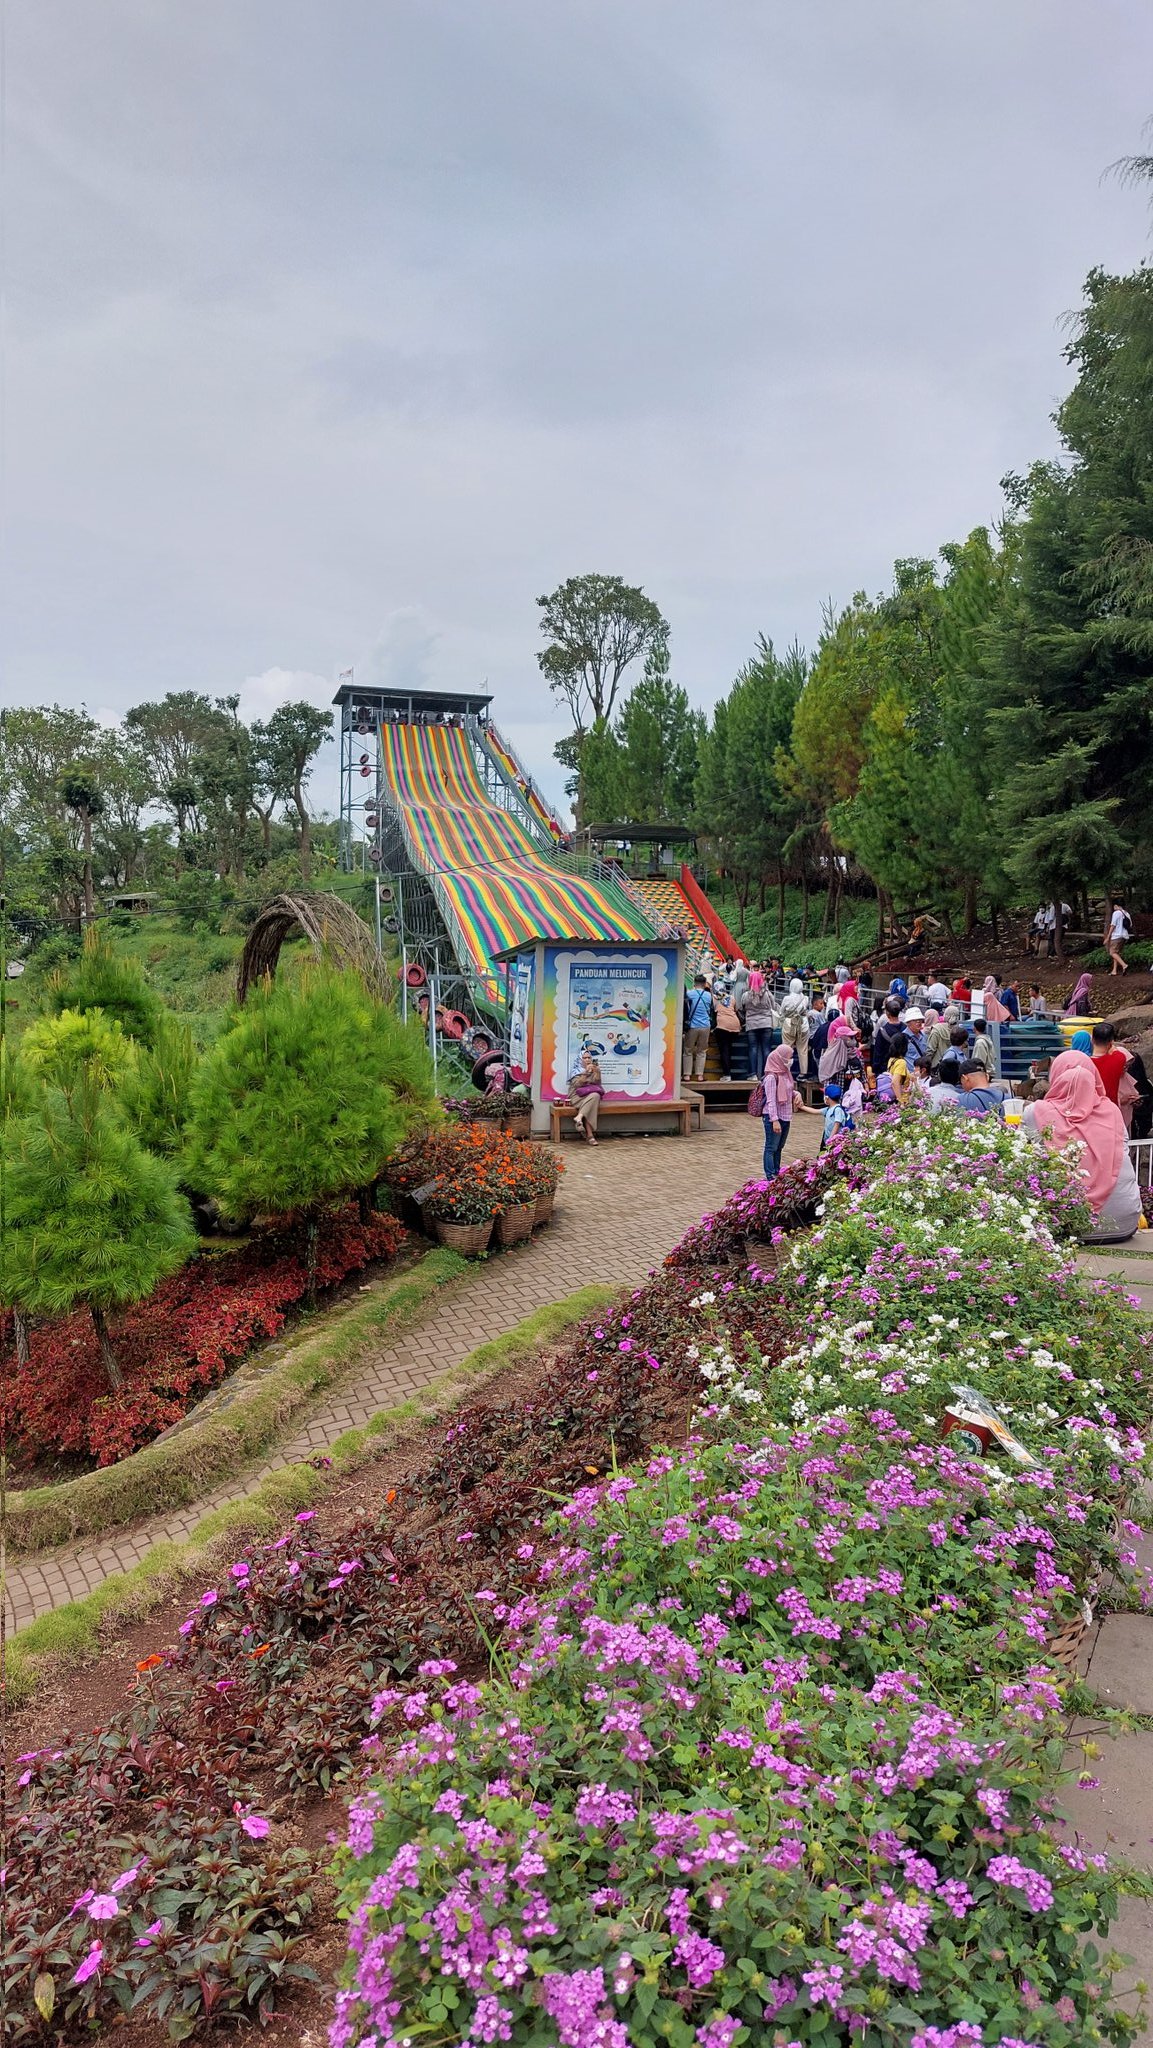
(700, 1016)
(1118, 932)
(728, 1025)
(760, 1021)
(1080, 1002)
(781, 1102)
(586, 1089)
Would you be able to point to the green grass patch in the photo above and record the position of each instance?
(763, 935)
(180, 1468)
(73, 1631)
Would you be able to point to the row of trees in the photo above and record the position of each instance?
(181, 787)
(108, 1121)
(978, 736)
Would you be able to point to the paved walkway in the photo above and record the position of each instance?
(1116, 1814)
(619, 1210)
(1134, 1268)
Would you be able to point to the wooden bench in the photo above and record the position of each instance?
(696, 1101)
(561, 1112)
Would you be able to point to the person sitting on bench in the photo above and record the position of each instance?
(586, 1089)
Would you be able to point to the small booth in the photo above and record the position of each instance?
(624, 1003)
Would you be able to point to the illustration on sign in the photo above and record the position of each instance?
(618, 1009)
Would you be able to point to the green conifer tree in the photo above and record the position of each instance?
(92, 1219)
(301, 1101)
(157, 1094)
(104, 980)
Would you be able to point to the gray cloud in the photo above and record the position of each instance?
(339, 332)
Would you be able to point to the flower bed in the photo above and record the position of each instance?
(833, 1618)
(268, 1698)
(473, 1172)
(770, 1754)
(177, 1344)
(774, 1740)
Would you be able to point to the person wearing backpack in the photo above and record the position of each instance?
(1118, 932)
(795, 1023)
(760, 1020)
(728, 1024)
(836, 1116)
(700, 1016)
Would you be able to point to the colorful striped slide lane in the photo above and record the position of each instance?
(512, 767)
(498, 886)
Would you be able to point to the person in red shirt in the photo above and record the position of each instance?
(1109, 1058)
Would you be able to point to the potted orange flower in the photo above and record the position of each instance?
(546, 1173)
(513, 1180)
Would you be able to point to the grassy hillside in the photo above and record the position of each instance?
(194, 973)
(761, 934)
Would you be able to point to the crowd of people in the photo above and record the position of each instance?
(934, 1045)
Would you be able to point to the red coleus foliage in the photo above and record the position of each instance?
(177, 1344)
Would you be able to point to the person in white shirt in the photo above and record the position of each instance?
(938, 995)
(1118, 932)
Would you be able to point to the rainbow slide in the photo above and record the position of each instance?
(510, 762)
(494, 885)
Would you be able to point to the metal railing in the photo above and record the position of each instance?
(1141, 1153)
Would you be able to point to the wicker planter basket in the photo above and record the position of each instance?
(544, 1207)
(517, 1126)
(469, 1238)
(1064, 1645)
(513, 1225)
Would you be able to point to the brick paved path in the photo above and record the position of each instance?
(621, 1207)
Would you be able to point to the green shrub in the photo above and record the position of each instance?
(157, 1094)
(303, 1097)
(1138, 954)
(104, 980)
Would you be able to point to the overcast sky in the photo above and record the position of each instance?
(339, 330)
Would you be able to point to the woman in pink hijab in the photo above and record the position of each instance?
(839, 1048)
(995, 1010)
(1077, 1110)
(781, 1101)
(848, 999)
